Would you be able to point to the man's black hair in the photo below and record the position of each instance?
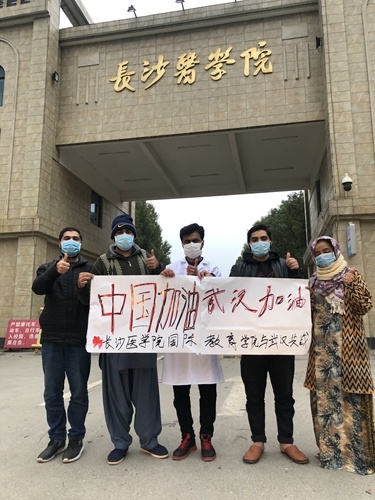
(258, 227)
(192, 228)
(69, 228)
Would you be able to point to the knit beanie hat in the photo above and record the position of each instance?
(123, 221)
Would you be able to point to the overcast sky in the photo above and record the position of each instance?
(111, 10)
(226, 219)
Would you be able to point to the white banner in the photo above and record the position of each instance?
(225, 316)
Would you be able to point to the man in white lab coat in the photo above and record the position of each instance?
(182, 370)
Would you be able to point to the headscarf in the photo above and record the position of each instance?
(328, 281)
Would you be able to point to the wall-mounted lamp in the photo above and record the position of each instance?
(132, 9)
(182, 3)
(347, 183)
(55, 76)
(351, 239)
(318, 42)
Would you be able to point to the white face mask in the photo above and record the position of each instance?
(193, 250)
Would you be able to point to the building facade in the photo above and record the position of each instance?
(237, 98)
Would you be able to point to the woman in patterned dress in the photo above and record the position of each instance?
(338, 372)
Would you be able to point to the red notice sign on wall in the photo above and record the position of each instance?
(21, 333)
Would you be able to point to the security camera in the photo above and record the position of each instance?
(347, 183)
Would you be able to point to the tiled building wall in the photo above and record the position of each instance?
(349, 69)
(38, 196)
(91, 110)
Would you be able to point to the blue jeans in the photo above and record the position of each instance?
(74, 362)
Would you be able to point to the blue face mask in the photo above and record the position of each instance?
(260, 248)
(71, 247)
(325, 259)
(124, 241)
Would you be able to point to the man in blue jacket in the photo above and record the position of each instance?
(64, 325)
(260, 262)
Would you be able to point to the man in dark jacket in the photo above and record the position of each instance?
(64, 325)
(128, 379)
(260, 262)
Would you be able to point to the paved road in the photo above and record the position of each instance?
(141, 477)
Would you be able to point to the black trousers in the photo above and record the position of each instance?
(207, 408)
(254, 370)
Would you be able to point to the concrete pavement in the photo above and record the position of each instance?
(24, 435)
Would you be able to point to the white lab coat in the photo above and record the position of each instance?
(190, 368)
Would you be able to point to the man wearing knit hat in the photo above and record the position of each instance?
(129, 380)
(123, 221)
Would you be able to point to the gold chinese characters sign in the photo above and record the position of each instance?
(186, 67)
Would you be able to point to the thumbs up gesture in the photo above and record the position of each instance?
(349, 276)
(192, 269)
(63, 265)
(152, 262)
(291, 262)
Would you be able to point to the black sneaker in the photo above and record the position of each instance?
(159, 451)
(187, 446)
(73, 451)
(116, 456)
(53, 449)
(208, 451)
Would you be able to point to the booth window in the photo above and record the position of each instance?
(318, 197)
(2, 82)
(96, 209)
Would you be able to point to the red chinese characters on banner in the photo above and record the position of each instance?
(21, 333)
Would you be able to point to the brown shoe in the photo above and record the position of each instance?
(295, 454)
(253, 454)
